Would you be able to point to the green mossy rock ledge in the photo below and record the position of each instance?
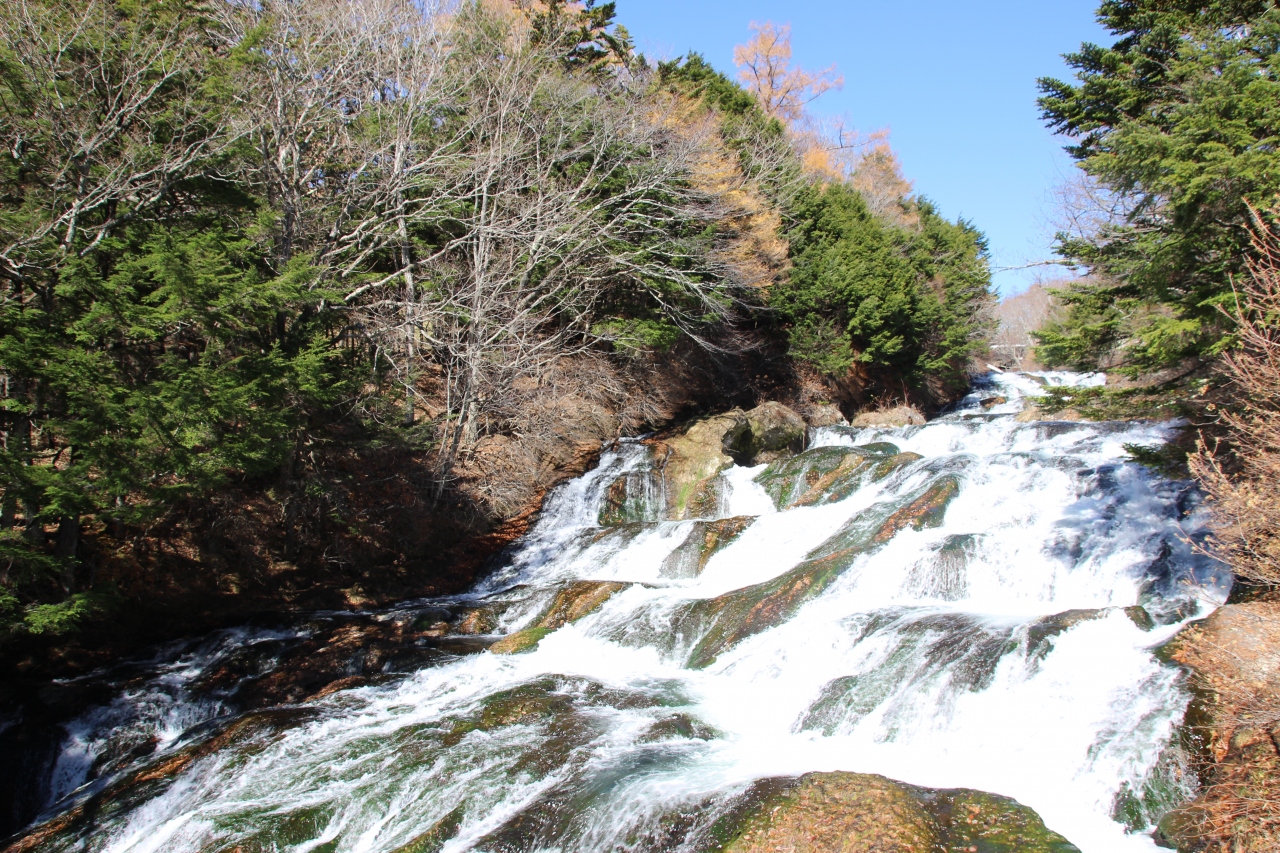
(862, 813)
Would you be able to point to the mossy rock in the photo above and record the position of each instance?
(828, 812)
(773, 432)
(522, 641)
(691, 463)
(728, 619)
(975, 820)
(862, 813)
(524, 705)
(705, 539)
(691, 459)
(437, 836)
(1049, 627)
(824, 475)
(636, 496)
(924, 512)
(678, 727)
(570, 604)
(477, 620)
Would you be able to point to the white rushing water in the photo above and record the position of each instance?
(930, 653)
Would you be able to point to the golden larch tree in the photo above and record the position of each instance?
(764, 65)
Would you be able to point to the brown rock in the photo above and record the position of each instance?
(824, 415)
(840, 813)
(898, 416)
(776, 432)
(1233, 718)
(861, 813)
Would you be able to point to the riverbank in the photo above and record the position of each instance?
(1234, 724)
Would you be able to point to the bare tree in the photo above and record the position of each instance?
(572, 196)
(1020, 316)
(1244, 487)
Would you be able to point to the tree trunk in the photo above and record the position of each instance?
(68, 541)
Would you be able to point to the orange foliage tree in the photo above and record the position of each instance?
(764, 65)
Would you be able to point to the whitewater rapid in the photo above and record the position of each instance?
(937, 657)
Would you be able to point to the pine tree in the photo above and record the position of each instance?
(1178, 120)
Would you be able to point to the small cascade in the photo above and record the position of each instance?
(970, 603)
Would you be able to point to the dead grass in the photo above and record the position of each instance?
(1239, 807)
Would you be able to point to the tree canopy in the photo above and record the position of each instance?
(1177, 123)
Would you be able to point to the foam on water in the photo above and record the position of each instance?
(929, 659)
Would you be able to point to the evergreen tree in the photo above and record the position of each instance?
(907, 301)
(1178, 120)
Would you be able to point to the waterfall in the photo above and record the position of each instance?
(969, 603)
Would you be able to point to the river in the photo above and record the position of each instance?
(970, 603)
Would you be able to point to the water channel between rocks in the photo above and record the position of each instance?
(969, 603)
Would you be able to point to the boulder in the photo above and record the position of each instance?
(693, 459)
(775, 432)
(692, 462)
(825, 415)
(861, 813)
(898, 416)
(1031, 413)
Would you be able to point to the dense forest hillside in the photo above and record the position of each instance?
(308, 303)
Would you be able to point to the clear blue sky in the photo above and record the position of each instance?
(953, 81)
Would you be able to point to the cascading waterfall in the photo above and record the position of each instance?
(969, 603)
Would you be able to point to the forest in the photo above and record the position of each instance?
(237, 237)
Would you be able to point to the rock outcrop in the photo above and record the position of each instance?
(569, 605)
(692, 461)
(860, 813)
(898, 416)
(1234, 719)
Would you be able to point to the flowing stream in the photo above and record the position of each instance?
(970, 603)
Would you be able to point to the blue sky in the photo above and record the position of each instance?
(953, 81)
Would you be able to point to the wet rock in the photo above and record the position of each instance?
(569, 605)
(705, 539)
(553, 709)
(577, 600)
(861, 813)
(898, 416)
(727, 619)
(924, 512)
(975, 820)
(249, 731)
(691, 462)
(518, 642)
(477, 620)
(833, 813)
(636, 496)
(997, 400)
(1139, 616)
(944, 574)
(693, 459)
(437, 836)
(1044, 630)
(523, 705)
(828, 474)
(678, 727)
